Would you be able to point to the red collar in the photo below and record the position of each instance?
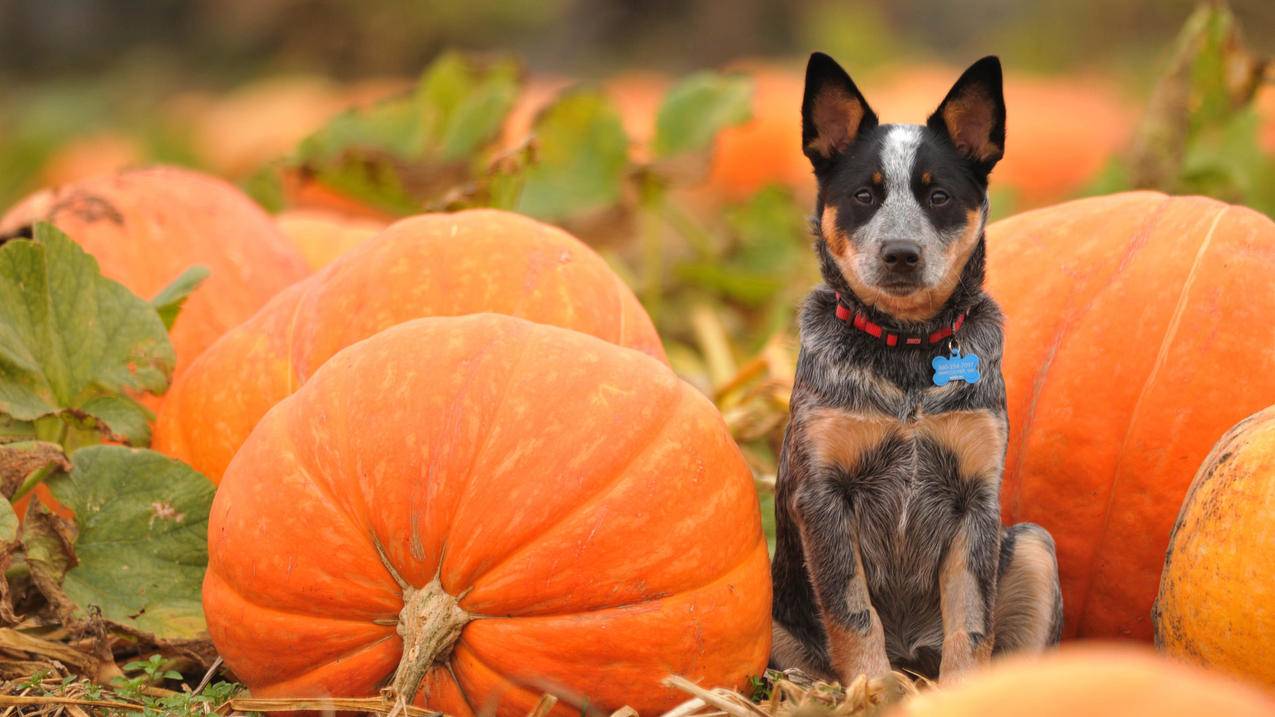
(860, 321)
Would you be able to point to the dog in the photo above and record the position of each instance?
(890, 554)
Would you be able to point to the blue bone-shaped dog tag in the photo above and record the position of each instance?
(955, 368)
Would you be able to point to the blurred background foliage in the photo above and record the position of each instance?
(663, 132)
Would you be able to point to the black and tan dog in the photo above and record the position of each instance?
(890, 551)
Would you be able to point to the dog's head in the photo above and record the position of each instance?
(901, 207)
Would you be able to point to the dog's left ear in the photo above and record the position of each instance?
(972, 115)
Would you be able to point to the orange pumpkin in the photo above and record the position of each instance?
(432, 265)
(145, 227)
(567, 515)
(1138, 329)
(1048, 154)
(1265, 103)
(767, 148)
(1217, 593)
(1092, 681)
(90, 156)
(321, 236)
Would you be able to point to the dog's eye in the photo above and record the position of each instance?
(864, 196)
(938, 198)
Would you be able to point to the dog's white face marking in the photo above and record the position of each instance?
(901, 215)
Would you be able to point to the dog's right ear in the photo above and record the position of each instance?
(833, 112)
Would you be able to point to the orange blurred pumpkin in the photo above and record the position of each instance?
(145, 227)
(1138, 329)
(767, 148)
(1049, 154)
(569, 517)
(1266, 110)
(322, 236)
(431, 265)
(1093, 680)
(90, 156)
(1217, 593)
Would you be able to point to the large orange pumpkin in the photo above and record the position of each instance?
(1217, 593)
(1138, 329)
(1092, 681)
(145, 227)
(566, 514)
(432, 265)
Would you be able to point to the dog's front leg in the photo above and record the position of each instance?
(856, 640)
(967, 582)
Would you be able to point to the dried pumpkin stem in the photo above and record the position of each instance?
(430, 624)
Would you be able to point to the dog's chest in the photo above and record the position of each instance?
(905, 472)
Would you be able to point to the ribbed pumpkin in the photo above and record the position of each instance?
(568, 516)
(432, 265)
(321, 236)
(1138, 329)
(1092, 681)
(146, 227)
(1217, 593)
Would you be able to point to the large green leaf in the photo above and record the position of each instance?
(142, 547)
(67, 333)
(404, 152)
(699, 107)
(581, 157)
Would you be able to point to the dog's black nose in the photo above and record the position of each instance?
(901, 256)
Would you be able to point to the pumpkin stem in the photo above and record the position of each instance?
(429, 624)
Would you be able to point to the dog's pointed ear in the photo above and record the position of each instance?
(833, 111)
(972, 115)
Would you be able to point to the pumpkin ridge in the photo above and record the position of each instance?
(290, 342)
(270, 689)
(468, 492)
(1073, 318)
(713, 580)
(285, 677)
(1166, 341)
(621, 470)
(473, 655)
(249, 598)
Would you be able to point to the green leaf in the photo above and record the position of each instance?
(8, 522)
(408, 151)
(465, 106)
(125, 418)
(699, 107)
(168, 302)
(581, 157)
(265, 186)
(67, 333)
(142, 545)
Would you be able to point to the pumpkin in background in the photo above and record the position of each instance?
(91, 156)
(1265, 104)
(571, 516)
(1092, 680)
(321, 236)
(1048, 154)
(1138, 329)
(145, 227)
(1217, 593)
(766, 149)
(431, 265)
